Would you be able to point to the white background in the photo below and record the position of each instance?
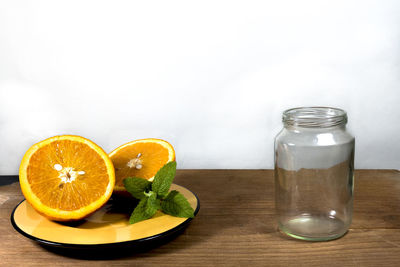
(211, 77)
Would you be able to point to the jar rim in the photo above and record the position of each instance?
(314, 117)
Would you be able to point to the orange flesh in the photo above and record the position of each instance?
(153, 157)
(68, 196)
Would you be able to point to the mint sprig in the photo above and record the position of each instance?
(146, 208)
(137, 186)
(163, 179)
(155, 196)
(176, 204)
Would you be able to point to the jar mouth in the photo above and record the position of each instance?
(314, 117)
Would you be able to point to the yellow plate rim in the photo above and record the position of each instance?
(140, 241)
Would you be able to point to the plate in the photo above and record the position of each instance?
(107, 227)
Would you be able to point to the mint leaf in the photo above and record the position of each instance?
(163, 179)
(146, 208)
(176, 204)
(137, 186)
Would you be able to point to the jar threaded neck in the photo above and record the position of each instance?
(314, 117)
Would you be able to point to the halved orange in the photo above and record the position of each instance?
(66, 177)
(141, 158)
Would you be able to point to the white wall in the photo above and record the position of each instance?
(211, 77)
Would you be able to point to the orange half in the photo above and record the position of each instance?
(66, 177)
(141, 158)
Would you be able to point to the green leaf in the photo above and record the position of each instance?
(163, 179)
(176, 204)
(146, 208)
(137, 186)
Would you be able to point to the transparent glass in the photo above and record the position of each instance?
(314, 159)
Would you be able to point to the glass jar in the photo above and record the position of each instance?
(314, 162)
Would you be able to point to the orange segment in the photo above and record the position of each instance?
(140, 158)
(66, 177)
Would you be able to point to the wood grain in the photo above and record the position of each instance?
(236, 227)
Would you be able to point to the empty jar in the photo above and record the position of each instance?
(314, 159)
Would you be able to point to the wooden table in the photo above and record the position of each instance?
(236, 227)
